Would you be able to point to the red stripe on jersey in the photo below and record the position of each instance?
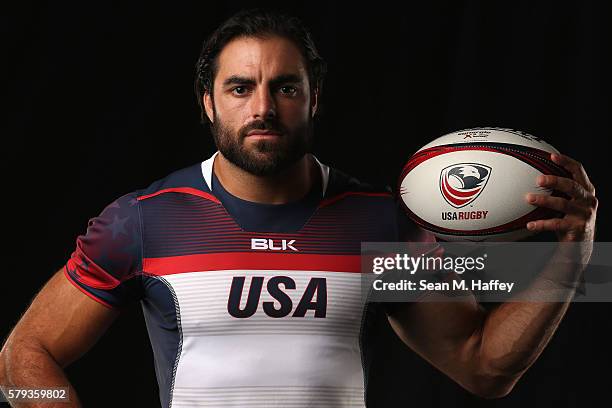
(252, 261)
(92, 274)
(76, 285)
(186, 190)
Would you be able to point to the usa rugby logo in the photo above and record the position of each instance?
(462, 183)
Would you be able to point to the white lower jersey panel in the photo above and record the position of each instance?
(264, 361)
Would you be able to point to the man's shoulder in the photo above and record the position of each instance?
(186, 179)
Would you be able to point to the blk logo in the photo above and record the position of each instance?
(461, 184)
(271, 245)
(316, 288)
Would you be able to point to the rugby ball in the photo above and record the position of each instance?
(470, 185)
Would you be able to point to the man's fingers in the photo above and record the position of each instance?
(552, 224)
(558, 204)
(576, 169)
(565, 185)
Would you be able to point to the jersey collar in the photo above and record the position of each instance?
(207, 168)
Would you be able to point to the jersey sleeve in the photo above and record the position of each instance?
(107, 262)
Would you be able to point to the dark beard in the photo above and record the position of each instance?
(265, 158)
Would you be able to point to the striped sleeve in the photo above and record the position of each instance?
(107, 262)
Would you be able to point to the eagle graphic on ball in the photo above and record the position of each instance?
(462, 183)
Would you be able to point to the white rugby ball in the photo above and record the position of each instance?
(470, 185)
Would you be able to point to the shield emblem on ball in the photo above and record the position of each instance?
(462, 183)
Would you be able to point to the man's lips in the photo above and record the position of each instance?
(259, 132)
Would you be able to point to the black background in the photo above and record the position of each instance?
(101, 103)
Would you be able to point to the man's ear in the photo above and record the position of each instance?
(208, 106)
(314, 101)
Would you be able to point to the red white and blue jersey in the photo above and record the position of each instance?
(246, 304)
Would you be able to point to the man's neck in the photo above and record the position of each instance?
(290, 185)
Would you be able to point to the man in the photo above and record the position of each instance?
(246, 264)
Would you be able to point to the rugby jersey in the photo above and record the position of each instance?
(246, 304)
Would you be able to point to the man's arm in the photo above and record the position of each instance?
(485, 352)
(488, 352)
(60, 325)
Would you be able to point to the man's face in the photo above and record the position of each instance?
(261, 84)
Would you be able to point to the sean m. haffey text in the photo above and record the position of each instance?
(457, 264)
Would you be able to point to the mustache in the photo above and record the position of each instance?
(261, 125)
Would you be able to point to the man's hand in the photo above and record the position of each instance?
(580, 209)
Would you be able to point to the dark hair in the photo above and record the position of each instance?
(256, 23)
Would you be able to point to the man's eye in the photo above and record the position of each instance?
(290, 90)
(239, 90)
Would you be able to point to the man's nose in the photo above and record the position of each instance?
(264, 105)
